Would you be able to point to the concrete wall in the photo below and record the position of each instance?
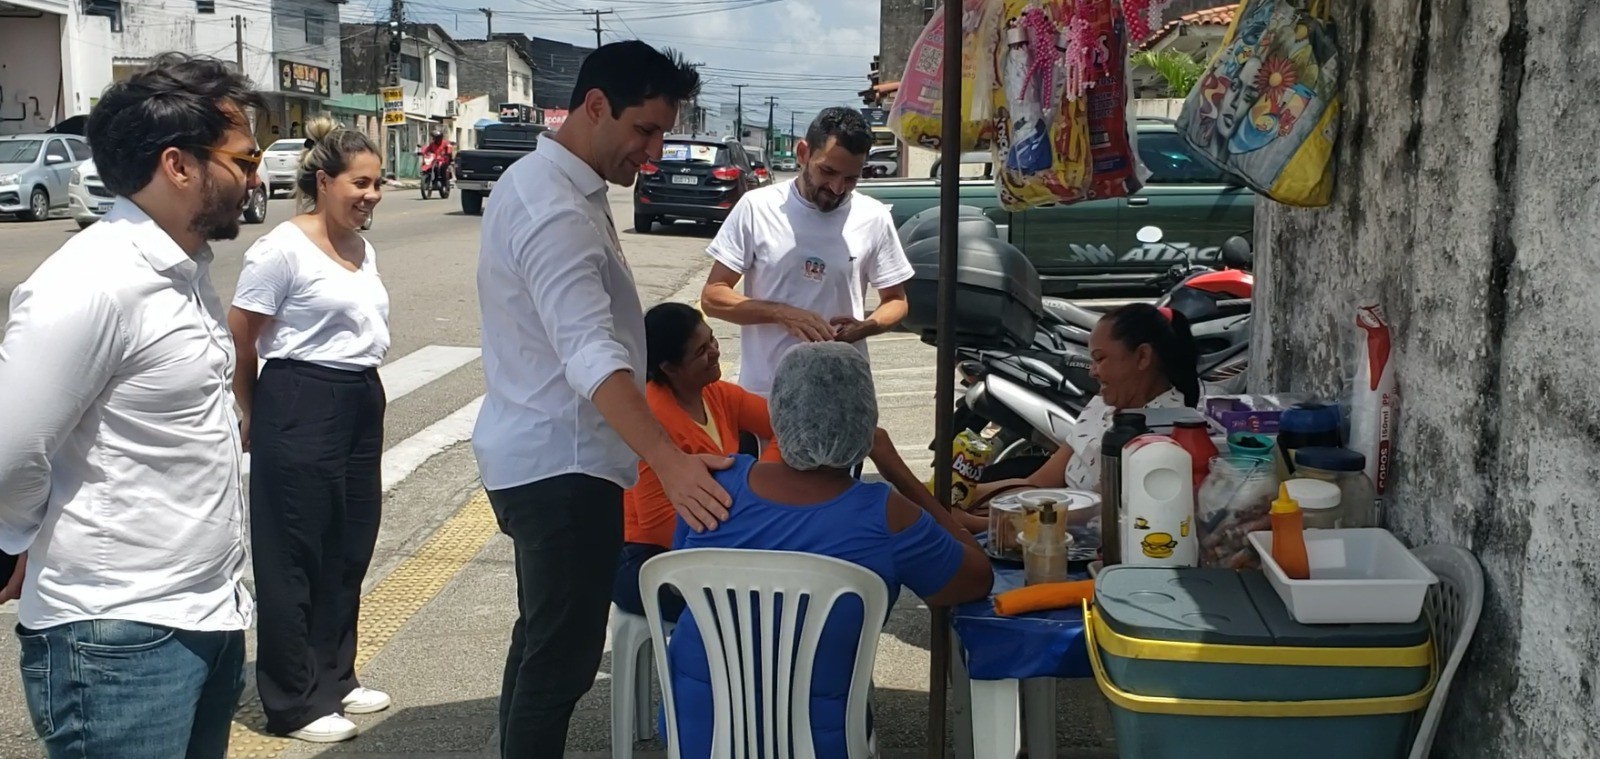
(289, 35)
(29, 73)
(151, 27)
(493, 68)
(900, 22)
(1468, 203)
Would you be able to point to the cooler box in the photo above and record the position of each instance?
(1201, 663)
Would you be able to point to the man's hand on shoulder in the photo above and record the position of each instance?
(696, 496)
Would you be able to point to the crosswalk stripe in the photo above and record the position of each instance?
(403, 459)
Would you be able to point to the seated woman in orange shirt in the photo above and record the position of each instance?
(703, 414)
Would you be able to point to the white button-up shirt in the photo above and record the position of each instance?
(560, 315)
(119, 449)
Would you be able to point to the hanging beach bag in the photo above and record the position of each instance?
(1267, 108)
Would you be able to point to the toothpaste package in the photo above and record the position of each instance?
(1374, 396)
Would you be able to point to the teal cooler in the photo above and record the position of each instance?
(1202, 663)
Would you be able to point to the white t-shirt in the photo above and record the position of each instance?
(322, 312)
(789, 252)
(1083, 468)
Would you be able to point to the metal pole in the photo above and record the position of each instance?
(945, 373)
(772, 103)
(597, 14)
(738, 115)
(238, 42)
(488, 20)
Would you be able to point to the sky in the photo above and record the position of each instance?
(809, 54)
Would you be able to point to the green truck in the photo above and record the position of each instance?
(1091, 249)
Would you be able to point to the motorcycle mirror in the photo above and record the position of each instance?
(1149, 235)
(1236, 252)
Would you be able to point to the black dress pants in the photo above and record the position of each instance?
(316, 496)
(567, 533)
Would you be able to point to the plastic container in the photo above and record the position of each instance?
(1207, 664)
(1232, 503)
(1158, 487)
(1346, 469)
(1319, 503)
(1360, 576)
(1196, 439)
(1016, 513)
(1305, 425)
(1044, 553)
(1250, 445)
(1288, 536)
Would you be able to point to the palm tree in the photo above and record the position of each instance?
(1179, 69)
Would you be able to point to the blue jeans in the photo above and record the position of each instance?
(107, 687)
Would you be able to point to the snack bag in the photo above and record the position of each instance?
(1042, 153)
(969, 456)
(1113, 145)
(919, 106)
(1267, 108)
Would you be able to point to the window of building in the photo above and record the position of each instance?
(410, 68)
(205, 6)
(527, 86)
(315, 32)
(441, 74)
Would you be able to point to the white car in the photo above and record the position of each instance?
(90, 199)
(279, 163)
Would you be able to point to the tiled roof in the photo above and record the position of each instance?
(1221, 15)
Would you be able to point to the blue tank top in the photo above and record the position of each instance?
(852, 526)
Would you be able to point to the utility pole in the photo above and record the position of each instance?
(488, 16)
(391, 76)
(238, 42)
(597, 14)
(772, 102)
(738, 115)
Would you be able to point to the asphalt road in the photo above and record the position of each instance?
(441, 589)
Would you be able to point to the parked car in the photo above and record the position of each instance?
(35, 170)
(761, 172)
(882, 162)
(786, 163)
(90, 200)
(696, 179)
(279, 162)
(1090, 249)
(499, 146)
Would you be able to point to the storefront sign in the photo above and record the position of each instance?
(876, 117)
(394, 106)
(518, 113)
(304, 78)
(555, 117)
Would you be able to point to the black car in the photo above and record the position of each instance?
(697, 179)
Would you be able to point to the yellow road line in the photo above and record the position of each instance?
(386, 609)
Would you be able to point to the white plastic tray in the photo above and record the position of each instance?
(1358, 576)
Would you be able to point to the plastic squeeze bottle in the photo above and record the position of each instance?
(1288, 536)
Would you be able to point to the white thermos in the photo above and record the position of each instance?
(1158, 490)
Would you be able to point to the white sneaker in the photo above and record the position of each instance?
(366, 701)
(330, 729)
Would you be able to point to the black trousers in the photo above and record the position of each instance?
(567, 533)
(316, 497)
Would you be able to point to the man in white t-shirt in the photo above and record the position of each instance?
(807, 250)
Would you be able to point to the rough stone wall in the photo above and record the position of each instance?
(1469, 202)
(900, 22)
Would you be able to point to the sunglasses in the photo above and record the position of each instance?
(247, 162)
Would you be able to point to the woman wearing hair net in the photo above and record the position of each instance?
(824, 415)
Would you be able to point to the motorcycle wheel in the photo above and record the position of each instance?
(426, 190)
(444, 190)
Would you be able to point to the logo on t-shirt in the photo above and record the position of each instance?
(814, 268)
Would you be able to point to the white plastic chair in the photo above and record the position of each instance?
(631, 716)
(726, 589)
(1453, 607)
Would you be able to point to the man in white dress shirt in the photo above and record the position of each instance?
(564, 421)
(807, 250)
(120, 455)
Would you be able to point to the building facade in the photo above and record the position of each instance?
(306, 36)
(55, 59)
(498, 68)
(429, 63)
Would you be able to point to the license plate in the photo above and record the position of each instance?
(685, 180)
(102, 207)
(490, 187)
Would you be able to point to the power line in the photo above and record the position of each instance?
(597, 14)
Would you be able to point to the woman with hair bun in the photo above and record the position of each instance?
(310, 302)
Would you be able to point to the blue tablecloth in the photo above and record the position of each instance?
(1040, 644)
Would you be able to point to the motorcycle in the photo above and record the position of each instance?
(435, 175)
(1032, 395)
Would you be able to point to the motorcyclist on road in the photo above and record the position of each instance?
(438, 149)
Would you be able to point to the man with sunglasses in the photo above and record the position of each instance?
(119, 456)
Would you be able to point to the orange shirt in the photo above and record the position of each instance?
(648, 517)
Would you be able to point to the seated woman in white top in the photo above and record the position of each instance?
(309, 301)
(1143, 357)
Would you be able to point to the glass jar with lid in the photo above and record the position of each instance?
(1319, 500)
(1346, 469)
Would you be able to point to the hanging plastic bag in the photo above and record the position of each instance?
(1267, 108)
(1115, 171)
(919, 105)
(1041, 151)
